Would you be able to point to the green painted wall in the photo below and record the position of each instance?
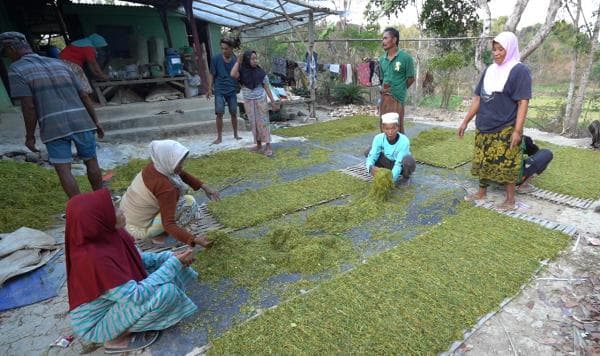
(144, 21)
(214, 34)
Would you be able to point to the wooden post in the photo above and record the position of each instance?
(165, 22)
(200, 54)
(311, 45)
(61, 22)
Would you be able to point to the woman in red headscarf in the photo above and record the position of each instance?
(118, 296)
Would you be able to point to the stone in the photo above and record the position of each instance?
(32, 157)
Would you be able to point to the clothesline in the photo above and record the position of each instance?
(401, 40)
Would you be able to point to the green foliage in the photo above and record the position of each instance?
(445, 67)
(442, 148)
(253, 207)
(371, 47)
(349, 93)
(31, 196)
(376, 8)
(428, 290)
(382, 185)
(333, 130)
(284, 249)
(448, 18)
(222, 166)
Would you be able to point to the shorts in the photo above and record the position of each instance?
(59, 150)
(231, 100)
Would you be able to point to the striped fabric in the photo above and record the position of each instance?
(55, 91)
(155, 303)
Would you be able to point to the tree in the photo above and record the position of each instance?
(570, 123)
(445, 67)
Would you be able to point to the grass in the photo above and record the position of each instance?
(284, 249)
(333, 130)
(435, 101)
(414, 299)
(31, 196)
(573, 171)
(442, 148)
(219, 167)
(255, 206)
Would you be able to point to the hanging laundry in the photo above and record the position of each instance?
(375, 74)
(344, 73)
(364, 74)
(334, 68)
(279, 66)
(348, 74)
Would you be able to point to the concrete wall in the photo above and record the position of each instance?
(144, 21)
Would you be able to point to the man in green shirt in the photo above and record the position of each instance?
(397, 75)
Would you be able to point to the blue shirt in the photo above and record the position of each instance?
(395, 152)
(223, 83)
(55, 92)
(498, 110)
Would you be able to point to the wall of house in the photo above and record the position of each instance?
(143, 21)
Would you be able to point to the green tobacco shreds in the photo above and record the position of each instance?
(285, 249)
(382, 185)
(222, 166)
(415, 299)
(255, 206)
(31, 196)
(442, 148)
(333, 130)
(573, 171)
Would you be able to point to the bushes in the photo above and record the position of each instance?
(349, 94)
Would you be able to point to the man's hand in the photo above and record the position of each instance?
(211, 193)
(186, 257)
(274, 106)
(515, 139)
(373, 170)
(209, 93)
(30, 143)
(99, 131)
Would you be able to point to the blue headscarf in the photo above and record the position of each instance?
(93, 40)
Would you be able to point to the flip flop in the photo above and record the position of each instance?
(137, 341)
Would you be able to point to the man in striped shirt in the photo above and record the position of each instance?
(52, 97)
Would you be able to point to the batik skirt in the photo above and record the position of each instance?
(494, 160)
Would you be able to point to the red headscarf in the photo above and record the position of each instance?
(99, 257)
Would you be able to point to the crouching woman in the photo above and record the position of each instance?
(118, 296)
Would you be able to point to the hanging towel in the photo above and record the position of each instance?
(343, 72)
(334, 68)
(376, 74)
(364, 74)
(348, 74)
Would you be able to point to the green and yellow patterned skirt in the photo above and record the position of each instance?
(494, 160)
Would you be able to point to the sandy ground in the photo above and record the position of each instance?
(558, 312)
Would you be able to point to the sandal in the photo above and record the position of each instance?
(506, 206)
(525, 189)
(137, 341)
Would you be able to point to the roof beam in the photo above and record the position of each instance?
(256, 6)
(229, 10)
(221, 15)
(277, 19)
(314, 8)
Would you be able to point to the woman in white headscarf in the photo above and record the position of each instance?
(155, 203)
(500, 103)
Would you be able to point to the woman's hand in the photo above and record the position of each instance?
(373, 170)
(211, 193)
(515, 139)
(274, 106)
(186, 257)
(240, 58)
(461, 129)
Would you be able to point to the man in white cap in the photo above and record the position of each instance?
(391, 150)
(54, 99)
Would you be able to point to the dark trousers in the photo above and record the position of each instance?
(537, 163)
(408, 164)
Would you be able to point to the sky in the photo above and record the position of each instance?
(535, 12)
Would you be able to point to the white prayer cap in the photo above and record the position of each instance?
(390, 118)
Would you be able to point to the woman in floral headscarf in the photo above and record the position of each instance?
(500, 103)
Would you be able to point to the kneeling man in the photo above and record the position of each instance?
(391, 150)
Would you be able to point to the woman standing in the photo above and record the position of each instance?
(500, 103)
(81, 52)
(155, 203)
(117, 296)
(255, 89)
